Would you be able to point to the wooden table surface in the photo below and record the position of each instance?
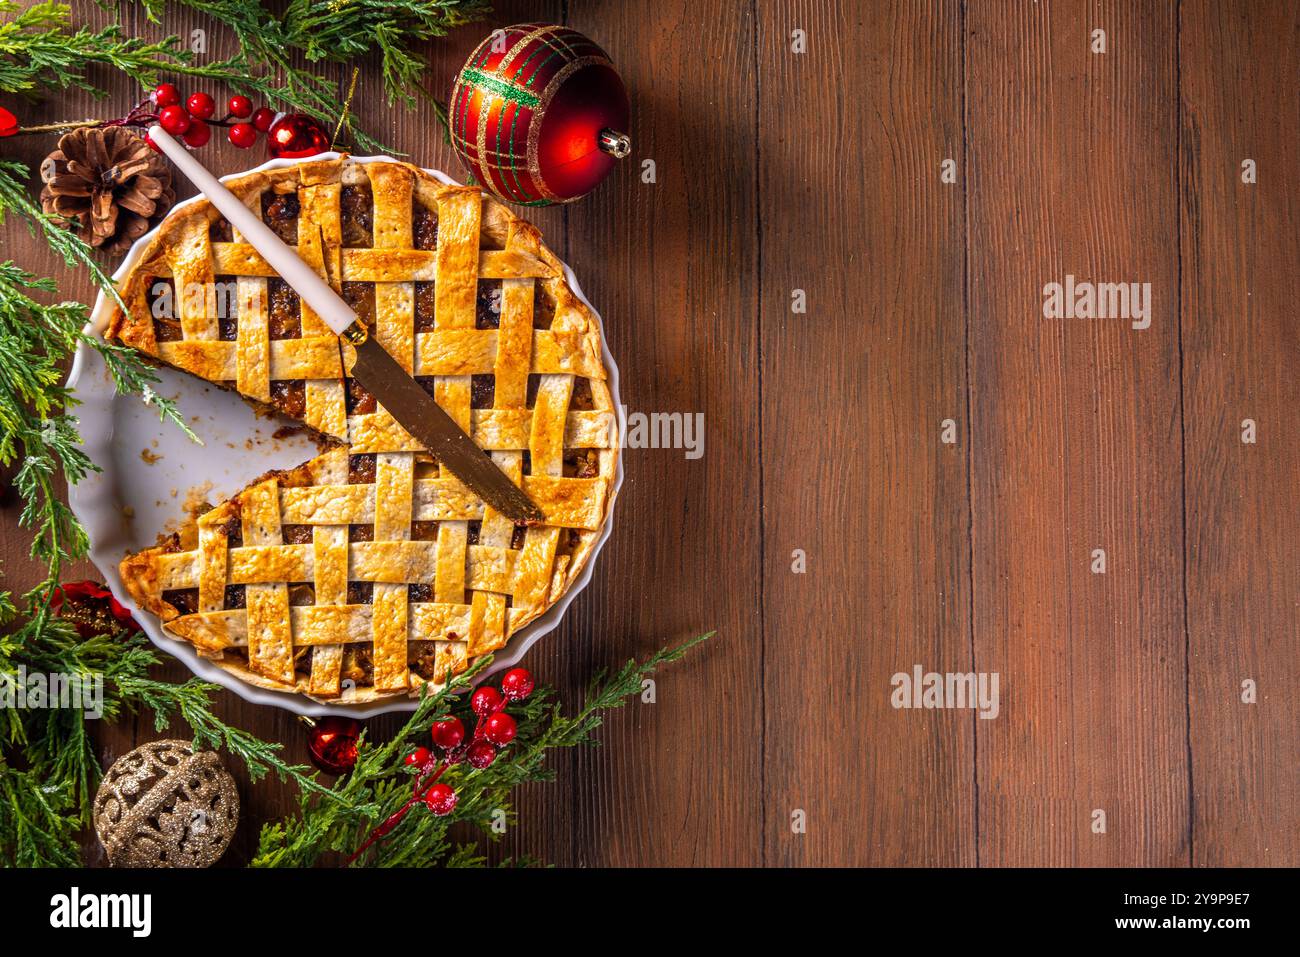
(942, 461)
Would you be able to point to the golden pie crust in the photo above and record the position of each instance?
(367, 571)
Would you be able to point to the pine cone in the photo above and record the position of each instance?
(109, 184)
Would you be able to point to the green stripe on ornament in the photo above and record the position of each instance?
(499, 87)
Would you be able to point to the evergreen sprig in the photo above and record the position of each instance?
(335, 32)
(342, 30)
(39, 48)
(48, 767)
(381, 782)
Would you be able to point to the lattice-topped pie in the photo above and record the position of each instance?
(368, 571)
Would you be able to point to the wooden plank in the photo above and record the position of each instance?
(1240, 250)
(670, 264)
(1076, 436)
(855, 475)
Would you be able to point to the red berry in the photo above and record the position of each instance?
(499, 728)
(418, 757)
(448, 733)
(148, 140)
(198, 134)
(166, 95)
(481, 754)
(200, 105)
(242, 135)
(174, 119)
(263, 119)
(484, 701)
(517, 684)
(441, 799)
(240, 106)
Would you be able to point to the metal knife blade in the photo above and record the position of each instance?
(417, 412)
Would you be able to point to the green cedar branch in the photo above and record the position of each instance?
(380, 783)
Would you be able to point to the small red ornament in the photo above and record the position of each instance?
(481, 754)
(198, 134)
(517, 684)
(294, 136)
(539, 114)
(166, 95)
(91, 607)
(499, 728)
(174, 120)
(242, 135)
(201, 105)
(440, 799)
(484, 701)
(8, 123)
(418, 757)
(240, 106)
(449, 733)
(263, 119)
(333, 744)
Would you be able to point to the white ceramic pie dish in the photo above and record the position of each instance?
(149, 469)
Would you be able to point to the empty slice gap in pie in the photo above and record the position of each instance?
(368, 571)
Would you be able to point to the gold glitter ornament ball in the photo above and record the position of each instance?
(162, 805)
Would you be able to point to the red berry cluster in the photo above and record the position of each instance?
(194, 120)
(493, 730)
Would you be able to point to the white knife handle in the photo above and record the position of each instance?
(304, 280)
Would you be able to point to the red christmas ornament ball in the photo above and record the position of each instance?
(296, 135)
(418, 757)
(517, 684)
(499, 728)
(539, 114)
(91, 607)
(333, 744)
(448, 733)
(440, 799)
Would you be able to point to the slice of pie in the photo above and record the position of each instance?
(368, 571)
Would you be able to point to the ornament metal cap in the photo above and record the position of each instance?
(616, 144)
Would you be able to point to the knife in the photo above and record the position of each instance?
(403, 397)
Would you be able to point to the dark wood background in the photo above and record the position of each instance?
(820, 171)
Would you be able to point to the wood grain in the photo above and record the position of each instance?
(1241, 354)
(855, 475)
(820, 171)
(671, 266)
(1075, 436)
